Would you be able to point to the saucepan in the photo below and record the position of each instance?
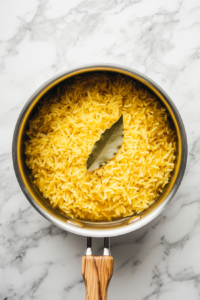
(97, 270)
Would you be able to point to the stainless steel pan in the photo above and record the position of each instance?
(97, 270)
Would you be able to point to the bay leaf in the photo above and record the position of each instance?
(107, 146)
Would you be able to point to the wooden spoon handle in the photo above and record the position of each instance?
(97, 272)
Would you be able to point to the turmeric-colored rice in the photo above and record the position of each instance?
(69, 122)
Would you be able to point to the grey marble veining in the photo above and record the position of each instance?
(38, 39)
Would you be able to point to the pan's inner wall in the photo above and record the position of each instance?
(35, 196)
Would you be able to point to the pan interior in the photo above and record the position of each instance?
(23, 173)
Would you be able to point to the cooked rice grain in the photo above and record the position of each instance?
(69, 122)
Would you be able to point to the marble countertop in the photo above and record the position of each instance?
(40, 38)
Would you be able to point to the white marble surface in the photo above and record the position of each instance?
(38, 39)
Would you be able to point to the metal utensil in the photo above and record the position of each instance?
(97, 271)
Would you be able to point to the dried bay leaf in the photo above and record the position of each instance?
(107, 146)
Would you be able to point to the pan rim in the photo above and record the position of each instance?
(50, 214)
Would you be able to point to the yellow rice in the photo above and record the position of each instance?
(69, 122)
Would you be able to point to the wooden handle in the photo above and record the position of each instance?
(97, 272)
